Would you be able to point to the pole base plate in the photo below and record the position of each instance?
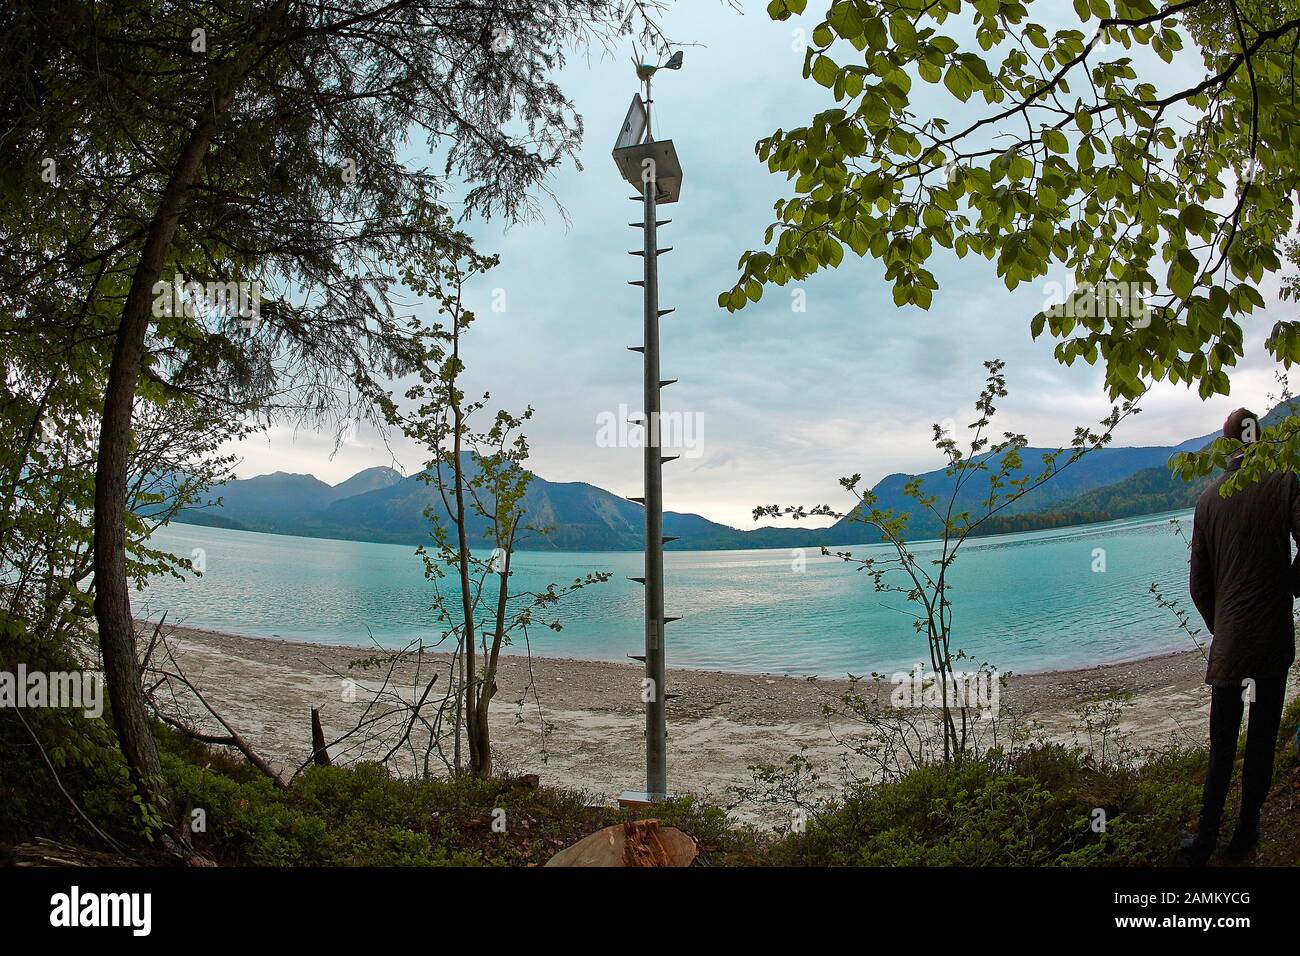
(640, 799)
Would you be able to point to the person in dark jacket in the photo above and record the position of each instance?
(1243, 581)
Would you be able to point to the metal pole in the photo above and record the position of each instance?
(656, 715)
(638, 164)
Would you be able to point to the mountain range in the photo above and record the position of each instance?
(380, 504)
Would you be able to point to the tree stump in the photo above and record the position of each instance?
(636, 843)
(319, 753)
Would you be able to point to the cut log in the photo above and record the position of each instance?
(636, 843)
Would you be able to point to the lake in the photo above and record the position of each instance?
(1023, 602)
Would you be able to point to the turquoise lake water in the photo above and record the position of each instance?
(1023, 602)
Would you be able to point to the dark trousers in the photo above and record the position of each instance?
(1226, 704)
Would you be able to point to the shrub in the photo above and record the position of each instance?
(1036, 809)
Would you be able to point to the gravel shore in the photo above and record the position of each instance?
(719, 725)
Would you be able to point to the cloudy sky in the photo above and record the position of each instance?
(786, 401)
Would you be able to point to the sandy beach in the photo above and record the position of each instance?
(719, 724)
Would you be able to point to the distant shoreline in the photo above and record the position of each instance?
(288, 645)
(974, 539)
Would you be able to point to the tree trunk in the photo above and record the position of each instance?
(488, 687)
(476, 736)
(117, 637)
(460, 698)
(112, 590)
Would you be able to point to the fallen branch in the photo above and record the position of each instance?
(232, 737)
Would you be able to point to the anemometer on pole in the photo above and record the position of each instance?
(651, 167)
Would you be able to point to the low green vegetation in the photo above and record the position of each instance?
(364, 816)
(1034, 808)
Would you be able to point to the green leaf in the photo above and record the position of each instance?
(832, 253)
(824, 70)
(877, 38)
(901, 29)
(851, 137)
(957, 82)
(844, 18)
(1084, 155)
(1182, 274)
